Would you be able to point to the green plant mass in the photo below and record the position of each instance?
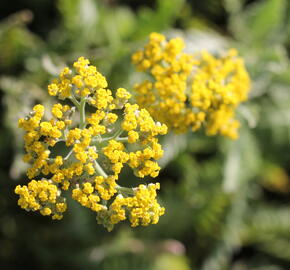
(145, 134)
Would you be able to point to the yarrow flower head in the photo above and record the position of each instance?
(95, 148)
(191, 91)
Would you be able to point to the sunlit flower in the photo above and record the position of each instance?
(96, 151)
(191, 91)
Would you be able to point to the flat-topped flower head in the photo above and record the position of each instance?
(43, 196)
(95, 148)
(142, 206)
(191, 91)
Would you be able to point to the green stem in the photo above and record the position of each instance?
(123, 139)
(74, 101)
(125, 191)
(82, 113)
(115, 136)
(69, 154)
(100, 170)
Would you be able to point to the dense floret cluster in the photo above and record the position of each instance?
(96, 146)
(83, 148)
(187, 91)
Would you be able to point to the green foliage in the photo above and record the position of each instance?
(261, 22)
(227, 202)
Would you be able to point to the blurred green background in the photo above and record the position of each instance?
(227, 202)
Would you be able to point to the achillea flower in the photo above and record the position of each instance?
(191, 91)
(96, 151)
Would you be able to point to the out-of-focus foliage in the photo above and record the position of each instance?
(227, 202)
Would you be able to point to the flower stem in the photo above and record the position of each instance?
(114, 137)
(122, 139)
(74, 101)
(100, 170)
(125, 191)
(82, 113)
(69, 154)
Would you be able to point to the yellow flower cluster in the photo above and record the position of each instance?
(191, 91)
(93, 151)
(142, 206)
(43, 196)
